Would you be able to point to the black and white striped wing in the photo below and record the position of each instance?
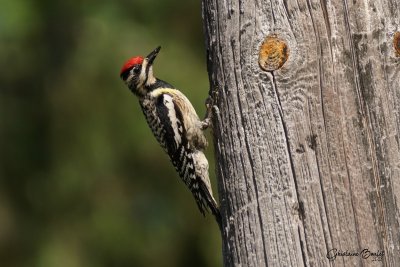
(166, 122)
(177, 146)
(171, 126)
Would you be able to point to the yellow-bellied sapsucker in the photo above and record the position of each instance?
(176, 126)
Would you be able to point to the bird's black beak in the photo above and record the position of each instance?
(153, 55)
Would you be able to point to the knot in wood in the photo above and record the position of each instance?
(273, 53)
(396, 43)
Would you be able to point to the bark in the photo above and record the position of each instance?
(308, 155)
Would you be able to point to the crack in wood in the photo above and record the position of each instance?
(286, 137)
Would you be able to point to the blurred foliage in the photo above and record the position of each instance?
(82, 180)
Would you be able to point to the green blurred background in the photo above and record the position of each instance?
(82, 180)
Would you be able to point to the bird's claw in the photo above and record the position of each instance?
(211, 107)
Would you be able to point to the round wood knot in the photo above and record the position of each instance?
(273, 53)
(396, 43)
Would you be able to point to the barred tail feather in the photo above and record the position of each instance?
(211, 204)
(192, 167)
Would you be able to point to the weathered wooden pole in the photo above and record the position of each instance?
(308, 137)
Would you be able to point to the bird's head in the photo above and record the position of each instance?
(137, 73)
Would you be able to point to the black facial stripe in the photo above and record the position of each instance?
(125, 74)
(158, 84)
(136, 69)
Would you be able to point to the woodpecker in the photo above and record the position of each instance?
(176, 126)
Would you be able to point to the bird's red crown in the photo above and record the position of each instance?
(130, 63)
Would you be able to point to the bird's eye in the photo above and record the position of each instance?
(136, 69)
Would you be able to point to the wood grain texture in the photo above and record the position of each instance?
(308, 156)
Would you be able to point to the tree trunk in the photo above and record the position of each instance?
(307, 150)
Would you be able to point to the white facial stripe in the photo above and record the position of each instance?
(142, 75)
(150, 78)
